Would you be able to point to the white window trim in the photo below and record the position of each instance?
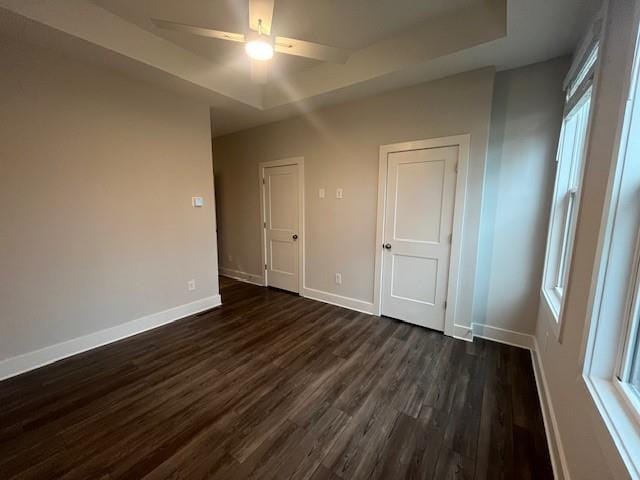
(552, 294)
(619, 419)
(577, 81)
(632, 310)
(617, 405)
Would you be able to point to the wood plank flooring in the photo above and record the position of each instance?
(271, 385)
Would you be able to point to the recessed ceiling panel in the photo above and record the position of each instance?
(394, 44)
(354, 24)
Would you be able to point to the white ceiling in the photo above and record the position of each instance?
(395, 43)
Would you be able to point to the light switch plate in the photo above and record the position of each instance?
(321, 193)
(197, 201)
(338, 193)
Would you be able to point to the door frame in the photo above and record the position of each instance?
(463, 143)
(299, 161)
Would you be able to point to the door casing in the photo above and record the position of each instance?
(299, 161)
(463, 144)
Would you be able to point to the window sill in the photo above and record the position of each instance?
(621, 420)
(553, 302)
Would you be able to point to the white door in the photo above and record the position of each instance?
(281, 226)
(417, 234)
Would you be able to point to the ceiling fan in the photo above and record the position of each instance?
(260, 43)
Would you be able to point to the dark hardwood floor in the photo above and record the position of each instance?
(271, 385)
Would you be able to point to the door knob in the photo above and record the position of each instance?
(387, 246)
(295, 236)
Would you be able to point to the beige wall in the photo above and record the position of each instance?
(97, 172)
(340, 145)
(525, 126)
(588, 448)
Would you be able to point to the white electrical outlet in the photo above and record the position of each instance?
(321, 193)
(197, 202)
(338, 193)
(191, 285)
(338, 279)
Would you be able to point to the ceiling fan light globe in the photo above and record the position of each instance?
(259, 50)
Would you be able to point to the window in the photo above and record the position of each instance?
(612, 351)
(625, 241)
(630, 361)
(570, 159)
(569, 176)
(626, 238)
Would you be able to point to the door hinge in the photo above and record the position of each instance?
(450, 238)
(265, 266)
(456, 167)
(264, 224)
(263, 182)
(445, 304)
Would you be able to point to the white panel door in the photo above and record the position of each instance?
(281, 226)
(417, 234)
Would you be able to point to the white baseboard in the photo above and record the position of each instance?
(312, 293)
(462, 332)
(339, 300)
(39, 358)
(242, 276)
(554, 442)
(502, 335)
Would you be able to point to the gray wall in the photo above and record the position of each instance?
(340, 145)
(525, 126)
(96, 177)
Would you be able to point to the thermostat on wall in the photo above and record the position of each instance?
(197, 201)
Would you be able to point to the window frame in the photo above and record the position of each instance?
(572, 193)
(560, 238)
(630, 341)
(614, 302)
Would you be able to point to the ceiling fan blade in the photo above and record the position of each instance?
(260, 71)
(300, 48)
(261, 10)
(194, 30)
